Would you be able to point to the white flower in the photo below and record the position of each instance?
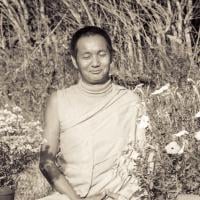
(7, 112)
(174, 148)
(197, 115)
(17, 109)
(181, 133)
(20, 117)
(190, 80)
(144, 122)
(134, 155)
(182, 149)
(161, 90)
(28, 146)
(151, 162)
(197, 135)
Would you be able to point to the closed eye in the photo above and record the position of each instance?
(86, 56)
(102, 53)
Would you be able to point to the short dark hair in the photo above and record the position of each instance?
(88, 31)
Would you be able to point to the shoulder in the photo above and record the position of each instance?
(59, 98)
(64, 91)
(54, 97)
(129, 94)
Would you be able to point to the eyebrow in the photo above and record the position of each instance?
(85, 53)
(103, 51)
(88, 52)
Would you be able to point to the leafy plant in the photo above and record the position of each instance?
(174, 142)
(20, 142)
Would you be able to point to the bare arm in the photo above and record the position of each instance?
(49, 151)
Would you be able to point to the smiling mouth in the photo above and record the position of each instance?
(96, 71)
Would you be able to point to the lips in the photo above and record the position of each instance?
(96, 71)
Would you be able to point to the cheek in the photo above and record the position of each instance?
(83, 64)
(106, 61)
(106, 64)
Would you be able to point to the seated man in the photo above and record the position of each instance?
(91, 123)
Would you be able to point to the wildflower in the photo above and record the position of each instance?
(161, 90)
(10, 129)
(197, 135)
(28, 146)
(144, 122)
(7, 112)
(39, 129)
(151, 162)
(17, 109)
(173, 148)
(20, 117)
(37, 123)
(190, 80)
(182, 148)
(135, 155)
(197, 115)
(181, 133)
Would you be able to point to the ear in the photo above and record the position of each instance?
(74, 62)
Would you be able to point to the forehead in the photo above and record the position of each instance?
(91, 43)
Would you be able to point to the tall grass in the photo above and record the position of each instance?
(35, 36)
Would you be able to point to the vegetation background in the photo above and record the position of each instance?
(156, 43)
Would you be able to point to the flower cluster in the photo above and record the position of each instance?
(20, 143)
(174, 138)
(12, 122)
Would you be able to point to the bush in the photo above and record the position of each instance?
(174, 142)
(20, 143)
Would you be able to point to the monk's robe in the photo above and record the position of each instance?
(96, 124)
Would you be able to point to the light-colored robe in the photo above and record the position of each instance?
(95, 127)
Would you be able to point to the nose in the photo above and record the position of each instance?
(95, 61)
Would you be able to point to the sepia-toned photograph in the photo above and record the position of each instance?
(99, 100)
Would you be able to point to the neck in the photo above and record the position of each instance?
(95, 88)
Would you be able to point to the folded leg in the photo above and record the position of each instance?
(55, 196)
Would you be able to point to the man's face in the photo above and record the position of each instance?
(93, 59)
